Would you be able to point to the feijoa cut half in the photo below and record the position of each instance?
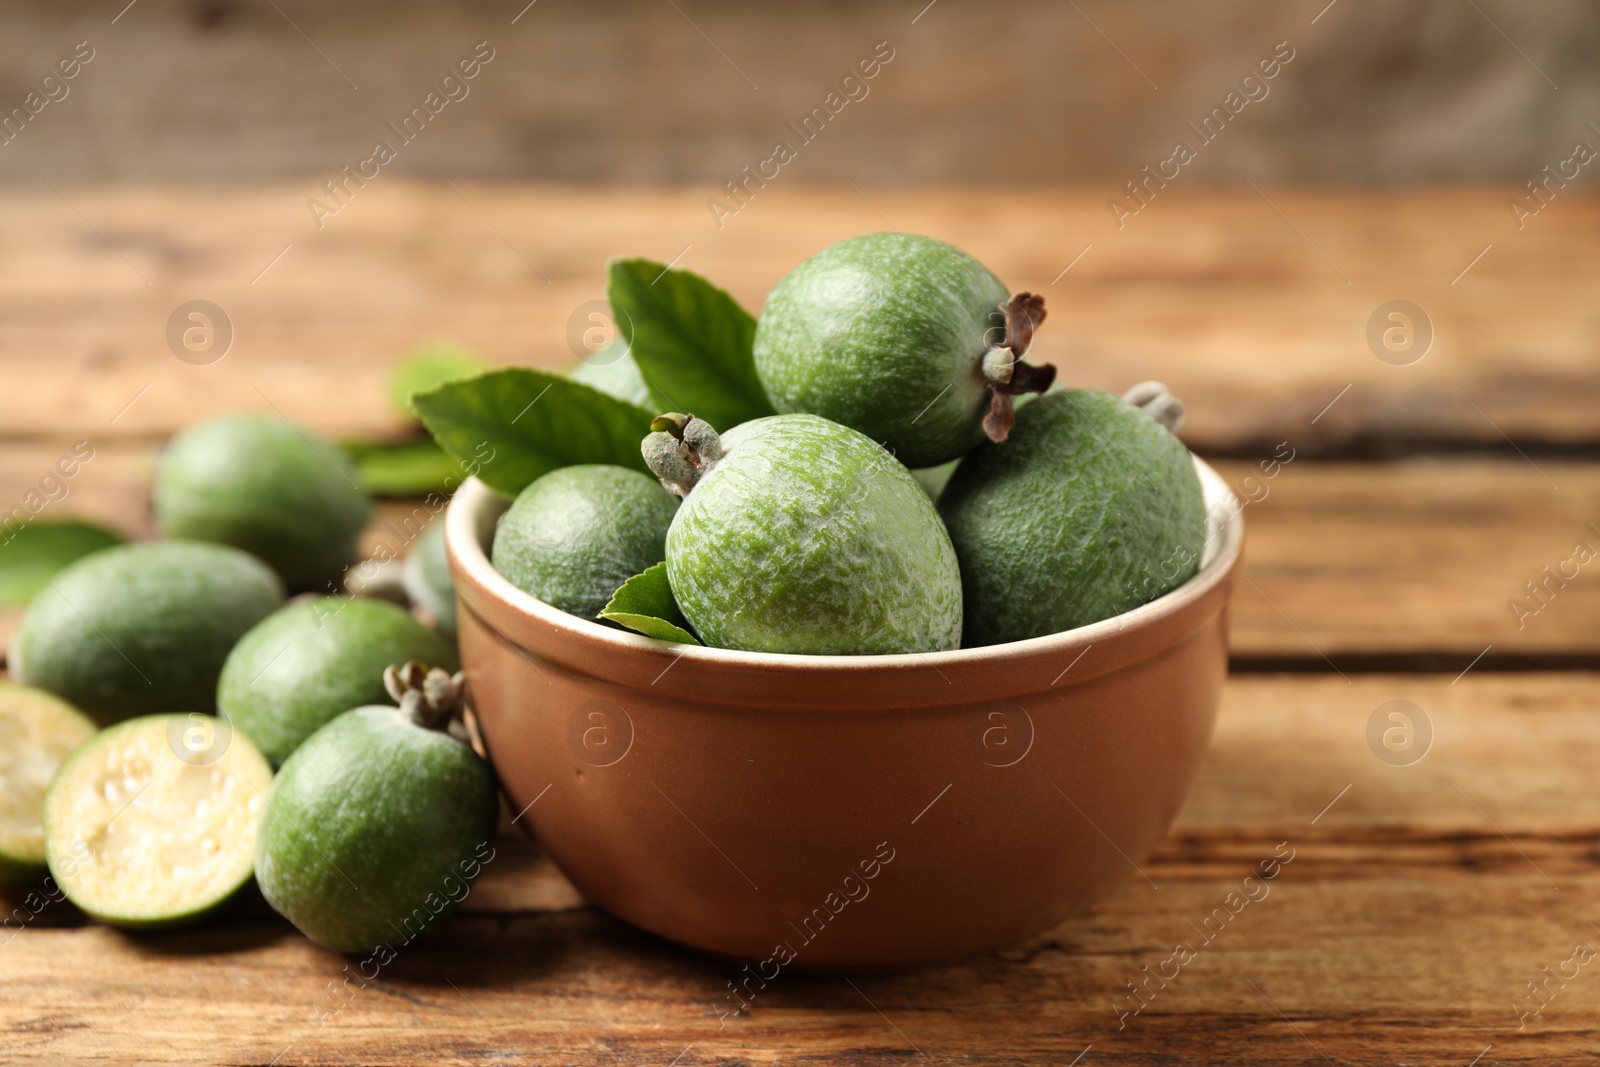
(153, 821)
(37, 732)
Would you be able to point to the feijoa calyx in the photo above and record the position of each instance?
(800, 535)
(576, 534)
(312, 660)
(143, 627)
(907, 339)
(380, 821)
(267, 487)
(1091, 508)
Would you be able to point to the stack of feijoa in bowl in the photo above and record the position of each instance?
(882, 553)
(871, 469)
(800, 517)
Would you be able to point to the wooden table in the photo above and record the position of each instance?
(1427, 898)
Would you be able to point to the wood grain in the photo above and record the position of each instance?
(1253, 307)
(1418, 903)
(977, 94)
(1419, 558)
(1422, 898)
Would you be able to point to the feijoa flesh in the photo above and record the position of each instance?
(153, 821)
(37, 732)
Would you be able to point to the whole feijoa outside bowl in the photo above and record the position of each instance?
(844, 812)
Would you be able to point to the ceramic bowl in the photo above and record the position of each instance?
(838, 812)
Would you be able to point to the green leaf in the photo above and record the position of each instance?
(38, 550)
(511, 426)
(645, 603)
(691, 340)
(428, 368)
(404, 468)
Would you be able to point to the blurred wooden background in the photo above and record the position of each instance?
(651, 91)
(1431, 489)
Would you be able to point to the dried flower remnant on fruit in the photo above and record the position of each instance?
(431, 698)
(1157, 401)
(680, 450)
(1003, 365)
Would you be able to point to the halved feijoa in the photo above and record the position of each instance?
(153, 822)
(37, 732)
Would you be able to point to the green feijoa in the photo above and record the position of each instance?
(37, 731)
(142, 627)
(427, 580)
(153, 821)
(268, 487)
(575, 535)
(800, 535)
(313, 660)
(905, 338)
(934, 479)
(612, 370)
(1091, 509)
(378, 824)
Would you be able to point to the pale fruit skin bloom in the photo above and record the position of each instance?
(1089, 510)
(887, 334)
(806, 537)
(576, 534)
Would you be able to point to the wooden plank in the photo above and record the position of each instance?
(1348, 560)
(1255, 311)
(1420, 558)
(1419, 902)
(1342, 111)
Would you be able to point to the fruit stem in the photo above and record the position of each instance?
(431, 698)
(1004, 369)
(680, 450)
(1158, 402)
